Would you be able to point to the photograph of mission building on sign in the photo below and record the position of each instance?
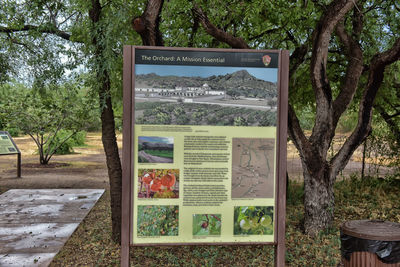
(184, 95)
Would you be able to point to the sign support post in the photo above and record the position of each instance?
(19, 165)
(204, 147)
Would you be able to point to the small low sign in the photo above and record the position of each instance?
(7, 145)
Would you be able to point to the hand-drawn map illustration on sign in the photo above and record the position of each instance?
(252, 167)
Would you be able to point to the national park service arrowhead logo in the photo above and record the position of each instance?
(266, 60)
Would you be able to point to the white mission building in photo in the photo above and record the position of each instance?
(180, 91)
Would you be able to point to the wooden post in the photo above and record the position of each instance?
(280, 248)
(127, 156)
(19, 165)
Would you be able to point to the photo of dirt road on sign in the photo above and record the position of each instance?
(154, 149)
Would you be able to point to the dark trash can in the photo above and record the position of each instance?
(366, 243)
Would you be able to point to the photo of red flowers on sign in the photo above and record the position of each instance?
(158, 183)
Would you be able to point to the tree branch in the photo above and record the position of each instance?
(334, 13)
(375, 79)
(147, 25)
(297, 58)
(269, 31)
(51, 30)
(14, 41)
(354, 68)
(220, 35)
(296, 133)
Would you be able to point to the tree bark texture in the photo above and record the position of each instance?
(147, 25)
(319, 201)
(108, 126)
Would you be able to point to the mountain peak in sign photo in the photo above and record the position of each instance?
(243, 74)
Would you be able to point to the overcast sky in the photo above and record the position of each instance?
(157, 139)
(266, 74)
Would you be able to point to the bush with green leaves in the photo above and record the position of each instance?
(50, 115)
(72, 139)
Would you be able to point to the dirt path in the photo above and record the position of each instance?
(86, 168)
(154, 159)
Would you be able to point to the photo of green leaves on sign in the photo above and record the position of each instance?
(206, 224)
(253, 220)
(158, 220)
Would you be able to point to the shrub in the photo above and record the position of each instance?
(65, 140)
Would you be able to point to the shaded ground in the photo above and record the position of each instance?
(372, 167)
(86, 168)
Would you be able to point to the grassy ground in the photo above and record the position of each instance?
(161, 153)
(371, 198)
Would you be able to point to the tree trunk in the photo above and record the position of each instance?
(107, 124)
(319, 201)
(112, 158)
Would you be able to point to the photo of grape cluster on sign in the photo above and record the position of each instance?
(253, 220)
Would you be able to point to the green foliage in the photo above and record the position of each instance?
(347, 122)
(239, 121)
(306, 117)
(202, 114)
(14, 132)
(206, 224)
(65, 140)
(158, 220)
(44, 114)
(142, 160)
(161, 153)
(295, 193)
(253, 220)
(382, 148)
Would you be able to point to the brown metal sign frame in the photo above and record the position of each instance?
(128, 152)
(18, 152)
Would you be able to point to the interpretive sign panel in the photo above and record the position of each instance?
(204, 145)
(7, 145)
